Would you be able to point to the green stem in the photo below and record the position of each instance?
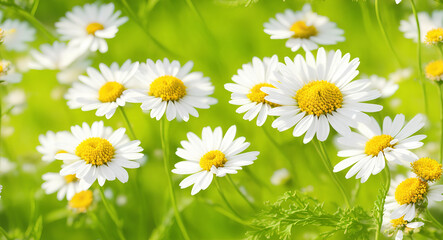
(164, 127)
(440, 91)
(99, 225)
(327, 162)
(440, 47)
(4, 233)
(112, 213)
(419, 62)
(222, 195)
(257, 181)
(222, 210)
(433, 220)
(251, 204)
(383, 30)
(128, 123)
(380, 213)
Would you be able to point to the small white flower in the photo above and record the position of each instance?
(370, 147)
(99, 153)
(386, 87)
(280, 177)
(50, 144)
(400, 75)
(212, 154)
(398, 226)
(247, 88)
(67, 185)
(6, 166)
(15, 101)
(166, 87)
(304, 29)
(8, 73)
(103, 90)
(427, 23)
(89, 26)
(17, 34)
(397, 1)
(316, 93)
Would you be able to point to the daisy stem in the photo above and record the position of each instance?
(112, 213)
(128, 123)
(5, 234)
(419, 62)
(433, 220)
(164, 127)
(222, 195)
(258, 181)
(251, 204)
(327, 162)
(381, 210)
(440, 47)
(440, 91)
(383, 30)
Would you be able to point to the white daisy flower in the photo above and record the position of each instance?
(280, 177)
(6, 166)
(15, 101)
(411, 194)
(246, 91)
(81, 201)
(386, 87)
(8, 73)
(315, 93)
(169, 88)
(212, 154)
(99, 153)
(304, 29)
(89, 26)
(103, 90)
(397, 1)
(400, 75)
(59, 56)
(370, 146)
(49, 144)
(434, 70)
(398, 226)
(17, 34)
(67, 185)
(428, 25)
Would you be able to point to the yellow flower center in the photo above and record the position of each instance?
(427, 169)
(95, 150)
(258, 96)
(110, 91)
(169, 88)
(71, 178)
(213, 158)
(319, 97)
(94, 27)
(301, 30)
(81, 200)
(434, 36)
(434, 70)
(399, 222)
(410, 190)
(377, 144)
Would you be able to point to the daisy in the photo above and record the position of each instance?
(15, 101)
(212, 154)
(8, 73)
(67, 185)
(370, 146)
(430, 26)
(81, 201)
(386, 87)
(400, 75)
(89, 26)
(247, 88)
(411, 194)
(17, 34)
(169, 88)
(434, 70)
(49, 144)
(303, 29)
(398, 226)
(102, 90)
(59, 56)
(397, 1)
(99, 153)
(315, 93)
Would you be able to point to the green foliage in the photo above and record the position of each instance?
(280, 219)
(377, 210)
(236, 3)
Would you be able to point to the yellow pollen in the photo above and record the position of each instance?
(301, 30)
(71, 178)
(434, 70)
(319, 97)
(399, 222)
(427, 169)
(94, 27)
(411, 190)
(213, 158)
(81, 201)
(169, 88)
(95, 150)
(377, 144)
(110, 91)
(258, 96)
(434, 36)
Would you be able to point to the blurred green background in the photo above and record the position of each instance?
(229, 37)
